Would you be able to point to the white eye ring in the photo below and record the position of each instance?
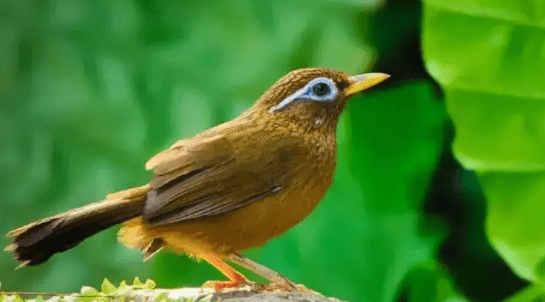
(328, 96)
(308, 93)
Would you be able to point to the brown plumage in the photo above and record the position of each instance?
(230, 188)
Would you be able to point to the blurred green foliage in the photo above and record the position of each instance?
(91, 90)
(427, 281)
(489, 57)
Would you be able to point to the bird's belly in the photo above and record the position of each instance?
(250, 226)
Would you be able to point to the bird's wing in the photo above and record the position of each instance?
(205, 177)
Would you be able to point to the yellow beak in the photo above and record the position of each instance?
(364, 81)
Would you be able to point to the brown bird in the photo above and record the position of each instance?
(227, 189)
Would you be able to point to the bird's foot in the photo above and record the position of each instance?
(280, 285)
(233, 284)
(285, 285)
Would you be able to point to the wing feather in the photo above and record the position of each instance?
(206, 177)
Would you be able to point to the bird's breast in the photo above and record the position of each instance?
(301, 169)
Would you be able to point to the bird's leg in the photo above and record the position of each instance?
(276, 280)
(235, 278)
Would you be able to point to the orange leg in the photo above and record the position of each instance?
(235, 278)
(276, 280)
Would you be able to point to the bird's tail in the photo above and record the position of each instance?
(38, 241)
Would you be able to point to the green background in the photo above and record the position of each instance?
(89, 90)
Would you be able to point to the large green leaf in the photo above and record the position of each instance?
(489, 55)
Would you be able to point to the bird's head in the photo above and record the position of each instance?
(315, 95)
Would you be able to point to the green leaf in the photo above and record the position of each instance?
(108, 288)
(150, 284)
(488, 56)
(492, 71)
(122, 285)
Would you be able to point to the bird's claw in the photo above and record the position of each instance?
(222, 285)
(285, 285)
(280, 285)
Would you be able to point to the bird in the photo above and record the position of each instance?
(230, 188)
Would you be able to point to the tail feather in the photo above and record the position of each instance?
(36, 242)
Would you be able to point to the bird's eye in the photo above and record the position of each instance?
(321, 89)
